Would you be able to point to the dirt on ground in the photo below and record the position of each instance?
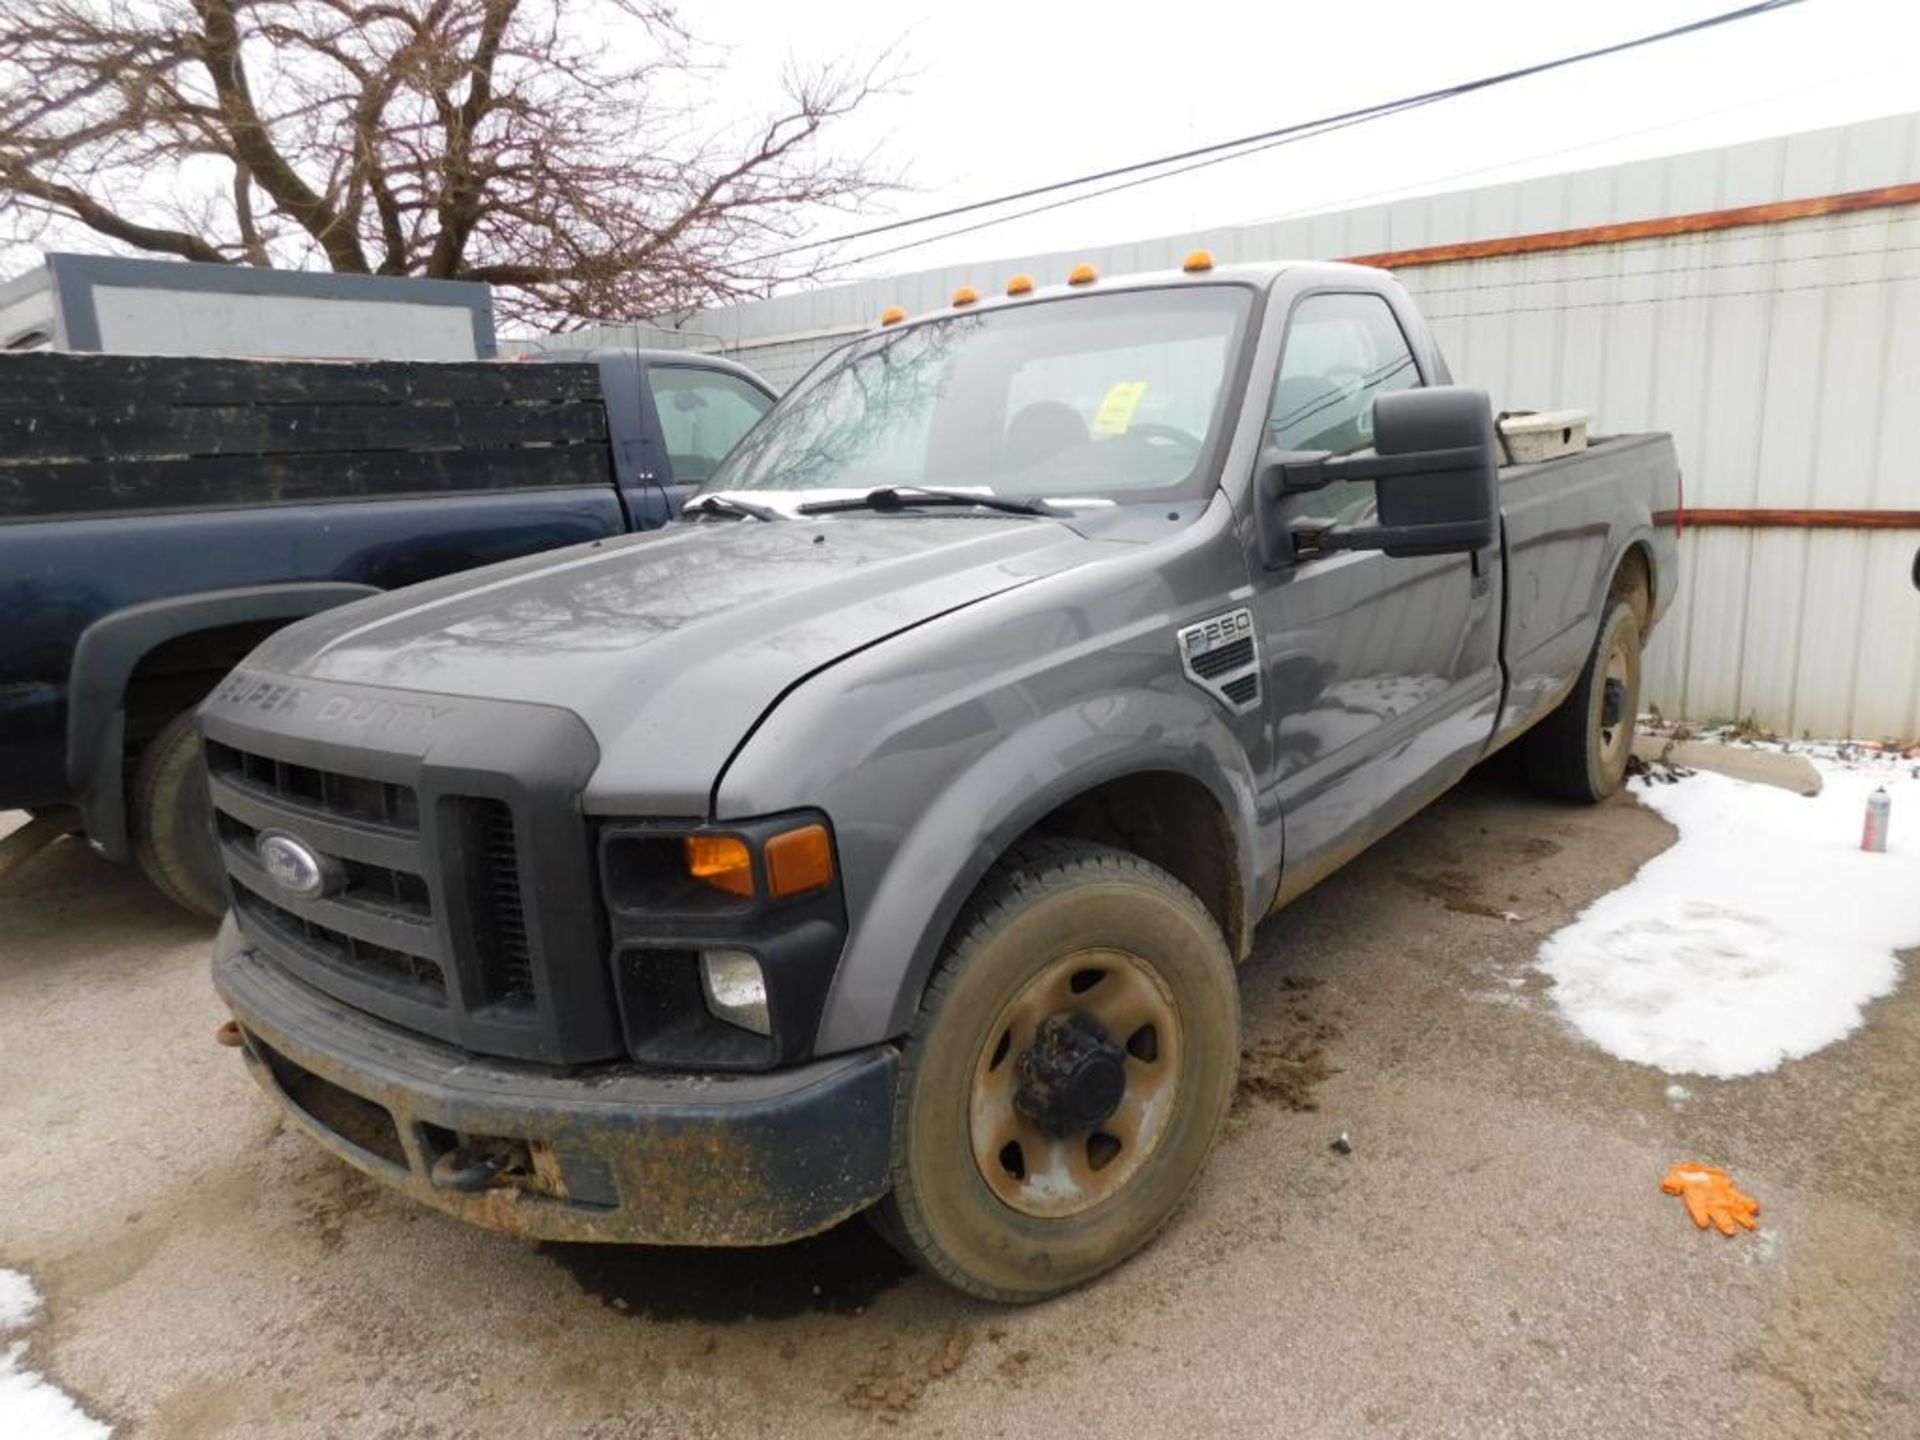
(1491, 1257)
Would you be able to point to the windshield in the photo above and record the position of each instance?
(1115, 397)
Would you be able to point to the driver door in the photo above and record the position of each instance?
(1382, 673)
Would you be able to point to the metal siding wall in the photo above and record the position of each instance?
(1778, 356)
(1784, 358)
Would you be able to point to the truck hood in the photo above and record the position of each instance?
(672, 645)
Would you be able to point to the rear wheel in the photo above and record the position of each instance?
(1580, 751)
(1067, 1074)
(172, 820)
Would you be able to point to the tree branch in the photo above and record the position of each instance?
(98, 217)
(250, 241)
(253, 147)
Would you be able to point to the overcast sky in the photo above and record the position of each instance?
(999, 95)
(1010, 93)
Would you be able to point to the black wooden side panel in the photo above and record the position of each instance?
(46, 378)
(98, 487)
(105, 434)
(134, 429)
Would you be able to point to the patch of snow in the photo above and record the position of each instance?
(1758, 937)
(19, 1301)
(1679, 1094)
(31, 1407)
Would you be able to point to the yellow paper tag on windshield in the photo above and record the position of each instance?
(1116, 411)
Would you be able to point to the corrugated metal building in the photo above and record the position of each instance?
(1761, 301)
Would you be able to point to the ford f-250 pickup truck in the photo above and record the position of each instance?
(885, 833)
(159, 515)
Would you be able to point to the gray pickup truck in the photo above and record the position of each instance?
(884, 833)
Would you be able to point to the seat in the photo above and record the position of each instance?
(1041, 431)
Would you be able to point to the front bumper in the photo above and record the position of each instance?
(615, 1154)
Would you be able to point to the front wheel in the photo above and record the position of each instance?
(1066, 1077)
(172, 820)
(1580, 751)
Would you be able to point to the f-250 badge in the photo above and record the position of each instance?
(1221, 656)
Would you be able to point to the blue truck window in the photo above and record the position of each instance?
(703, 414)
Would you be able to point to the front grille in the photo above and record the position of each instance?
(377, 925)
(457, 898)
(352, 796)
(374, 887)
(506, 959)
(416, 974)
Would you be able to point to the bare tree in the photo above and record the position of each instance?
(494, 140)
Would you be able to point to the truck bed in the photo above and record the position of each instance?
(1563, 523)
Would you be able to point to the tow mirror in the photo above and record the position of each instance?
(1435, 468)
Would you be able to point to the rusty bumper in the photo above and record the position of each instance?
(617, 1155)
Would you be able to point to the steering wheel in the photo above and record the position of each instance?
(1152, 430)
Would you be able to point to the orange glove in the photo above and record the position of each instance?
(1712, 1198)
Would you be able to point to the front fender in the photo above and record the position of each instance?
(111, 648)
(983, 809)
(934, 751)
(923, 804)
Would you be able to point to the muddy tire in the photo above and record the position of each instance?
(1580, 751)
(1066, 1076)
(171, 819)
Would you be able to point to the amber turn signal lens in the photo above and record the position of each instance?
(722, 862)
(799, 861)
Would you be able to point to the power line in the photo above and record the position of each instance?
(1326, 129)
(1416, 188)
(1262, 139)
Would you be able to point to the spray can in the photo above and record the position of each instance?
(1873, 835)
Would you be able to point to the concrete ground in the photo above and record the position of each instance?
(1494, 1258)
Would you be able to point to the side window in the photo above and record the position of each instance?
(703, 414)
(1341, 351)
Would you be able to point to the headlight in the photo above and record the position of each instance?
(736, 989)
(724, 936)
(799, 860)
(722, 861)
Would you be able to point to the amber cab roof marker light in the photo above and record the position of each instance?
(893, 315)
(1198, 262)
(965, 295)
(1020, 285)
(1082, 275)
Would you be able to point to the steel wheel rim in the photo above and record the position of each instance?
(1048, 1176)
(1619, 676)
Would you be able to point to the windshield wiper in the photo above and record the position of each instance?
(727, 505)
(889, 498)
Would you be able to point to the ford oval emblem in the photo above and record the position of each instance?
(292, 865)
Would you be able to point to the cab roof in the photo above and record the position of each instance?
(1199, 269)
